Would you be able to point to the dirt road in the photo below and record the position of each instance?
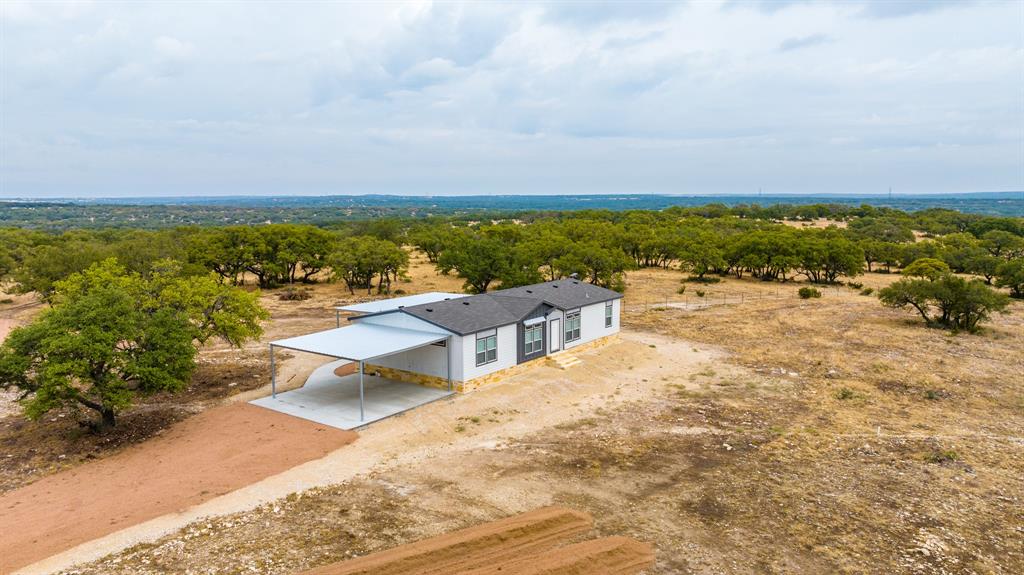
(196, 460)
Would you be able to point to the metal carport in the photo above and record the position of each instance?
(360, 342)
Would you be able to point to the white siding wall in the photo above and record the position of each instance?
(507, 356)
(592, 323)
(429, 360)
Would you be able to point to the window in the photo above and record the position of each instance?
(572, 326)
(608, 314)
(533, 339)
(486, 348)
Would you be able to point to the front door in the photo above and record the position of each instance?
(556, 335)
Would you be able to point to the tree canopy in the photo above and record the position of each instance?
(942, 298)
(111, 335)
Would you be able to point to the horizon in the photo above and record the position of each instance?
(105, 100)
(893, 194)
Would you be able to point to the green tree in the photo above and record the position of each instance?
(1003, 244)
(825, 255)
(598, 264)
(877, 251)
(359, 260)
(431, 240)
(112, 335)
(46, 265)
(701, 252)
(1011, 275)
(927, 268)
(228, 252)
(478, 259)
(943, 299)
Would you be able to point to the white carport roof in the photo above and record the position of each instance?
(361, 341)
(397, 302)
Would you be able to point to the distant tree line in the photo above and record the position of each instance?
(600, 246)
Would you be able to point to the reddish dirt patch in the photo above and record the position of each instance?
(205, 456)
(34, 449)
(346, 369)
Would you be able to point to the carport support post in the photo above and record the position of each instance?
(273, 374)
(337, 317)
(361, 416)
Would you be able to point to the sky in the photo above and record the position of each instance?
(105, 99)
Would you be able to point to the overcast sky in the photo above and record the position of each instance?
(192, 98)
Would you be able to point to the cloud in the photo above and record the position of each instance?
(765, 6)
(597, 12)
(170, 48)
(796, 43)
(900, 8)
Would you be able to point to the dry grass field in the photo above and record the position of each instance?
(828, 435)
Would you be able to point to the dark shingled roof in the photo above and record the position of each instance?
(564, 294)
(490, 310)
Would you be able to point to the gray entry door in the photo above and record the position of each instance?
(555, 339)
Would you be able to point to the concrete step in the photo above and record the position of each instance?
(565, 360)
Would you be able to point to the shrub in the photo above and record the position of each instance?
(700, 293)
(681, 290)
(808, 293)
(940, 457)
(291, 293)
(7, 300)
(703, 280)
(867, 291)
(855, 285)
(845, 393)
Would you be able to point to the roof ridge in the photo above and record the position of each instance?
(499, 294)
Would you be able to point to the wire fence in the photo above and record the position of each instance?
(703, 298)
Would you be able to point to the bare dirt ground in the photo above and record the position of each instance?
(532, 543)
(819, 223)
(207, 456)
(828, 435)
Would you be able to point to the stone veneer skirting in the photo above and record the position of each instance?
(477, 382)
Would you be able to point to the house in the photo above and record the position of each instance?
(491, 333)
(414, 349)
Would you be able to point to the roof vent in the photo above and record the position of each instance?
(447, 298)
(554, 285)
(465, 303)
(529, 291)
(577, 283)
(401, 306)
(430, 309)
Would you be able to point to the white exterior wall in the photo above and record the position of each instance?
(507, 353)
(592, 323)
(429, 360)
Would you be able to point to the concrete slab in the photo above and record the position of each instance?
(334, 400)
